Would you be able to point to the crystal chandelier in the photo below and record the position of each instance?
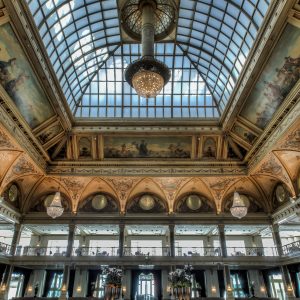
(55, 209)
(239, 208)
(148, 21)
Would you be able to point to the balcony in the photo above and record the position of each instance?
(4, 249)
(292, 249)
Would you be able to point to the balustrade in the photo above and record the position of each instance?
(291, 249)
(197, 251)
(4, 249)
(252, 251)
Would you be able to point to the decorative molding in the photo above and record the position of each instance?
(288, 212)
(274, 132)
(15, 128)
(8, 213)
(33, 44)
(253, 59)
(147, 170)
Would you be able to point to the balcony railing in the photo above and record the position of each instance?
(252, 251)
(4, 249)
(146, 251)
(42, 251)
(197, 251)
(291, 249)
(95, 251)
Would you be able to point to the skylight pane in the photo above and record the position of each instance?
(173, 102)
(234, 25)
(77, 33)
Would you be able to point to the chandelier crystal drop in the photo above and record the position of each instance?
(55, 209)
(147, 84)
(148, 21)
(239, 208)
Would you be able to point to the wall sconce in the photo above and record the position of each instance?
(3, 287)
(78, 290)
(289, 288)
(213, 289)
(229, 288)
(124, 290)
(262, 289)
(64, 288)
(29, 289)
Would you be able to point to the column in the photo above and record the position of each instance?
(256, 278)
(228, 285)
(222, 239)
(65, 283)
(288, 286)
(16, 238)
(126, 288)
(5, 282)
(172, 239)
(121, 239)
(36, 284)
(70, 240)
(80, 283)
(277, 239)
(212, 283)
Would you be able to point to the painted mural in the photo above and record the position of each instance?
(147, 147)
(244, 133)
(277, 79)
(209, 148)
(19, 80)
(50, 133)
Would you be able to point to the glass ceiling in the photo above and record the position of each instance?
(84, 42)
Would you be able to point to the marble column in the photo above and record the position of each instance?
(222, 239)
(172, 239)
(16, 238)
(228, 284)
(80, 283)
(121, 239)
(4, 287)
(37, 278)
(277, 239)
(71, 236)
(212, 283)
(288, 285)
(65, 283)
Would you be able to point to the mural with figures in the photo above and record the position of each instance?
(19, 80)
(147, 147)
(277, 79)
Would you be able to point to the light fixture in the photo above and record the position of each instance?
(55, 209)
(239, 208)
(213, 289)
(148, 21)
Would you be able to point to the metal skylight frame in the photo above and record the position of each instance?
(185, 96)
(216, 36)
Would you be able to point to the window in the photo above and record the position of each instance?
(236, 247)
(277, 287)
(59, 247)
(238, 291)
(16, 285)
(104, 247)
(56, 285)
(144, 247)
(99, 286)
(189, 248)
(146, 285)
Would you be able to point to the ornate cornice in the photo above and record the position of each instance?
(33, 44)
(288, 212)
(8, 213)
(16, 129)
(274, 131)
(263, 45)
(105, 170)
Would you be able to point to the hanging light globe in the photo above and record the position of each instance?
(55, 209)
(239, 208)
(147, 84)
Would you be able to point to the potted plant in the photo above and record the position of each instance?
(180, 281)
(113, 283)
